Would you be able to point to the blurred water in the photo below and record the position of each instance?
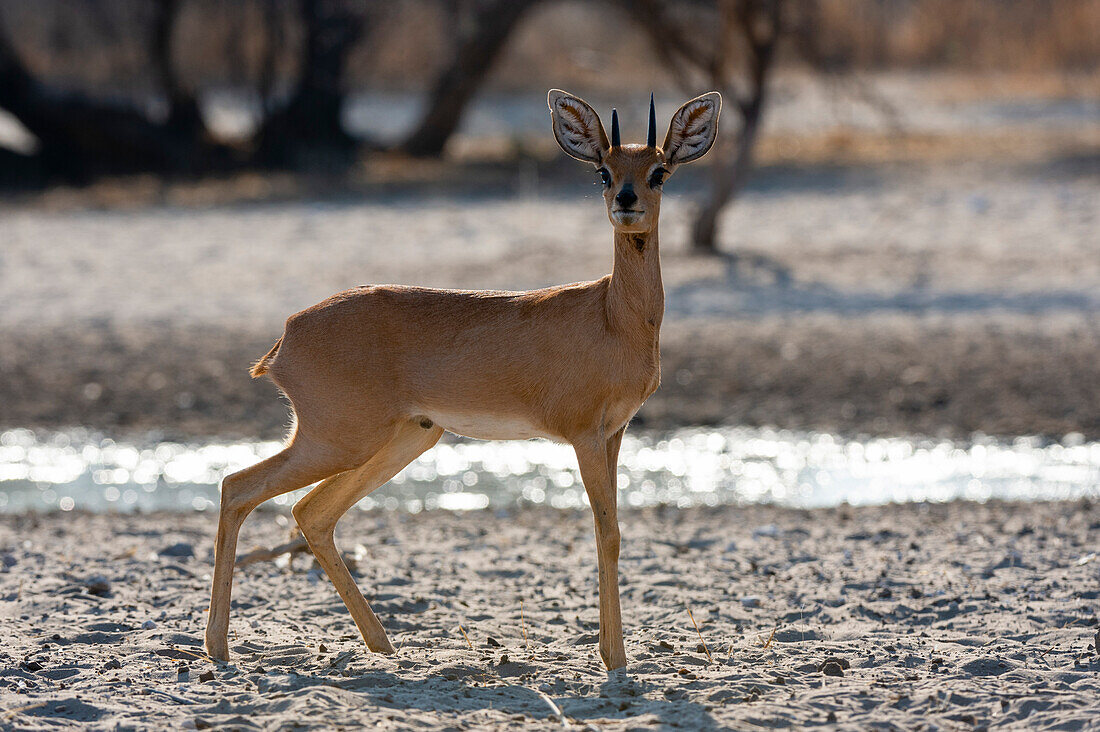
(698, 466)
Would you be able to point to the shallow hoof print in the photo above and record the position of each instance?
(67, 709)
(181, 550)
(985, 666)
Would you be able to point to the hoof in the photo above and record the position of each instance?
(613, 661)
(385, 647)
(218, 650)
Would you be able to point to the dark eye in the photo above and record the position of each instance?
(605, 177)
(657, 177)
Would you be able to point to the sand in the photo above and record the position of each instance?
(939, 616)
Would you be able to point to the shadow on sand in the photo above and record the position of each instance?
(459, 689)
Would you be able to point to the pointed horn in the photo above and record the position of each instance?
(615, 142)
(651, 139)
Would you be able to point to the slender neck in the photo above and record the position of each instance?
(636, 295)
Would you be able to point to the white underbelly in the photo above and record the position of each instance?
(488, 426)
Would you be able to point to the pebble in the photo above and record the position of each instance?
(834, 666)
(112, 664)
(148, 625)
(750, 601)
(492, 642)
(206, 676)
(98, 585)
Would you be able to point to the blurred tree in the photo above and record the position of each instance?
(183, 117)
(310, 122)
(484, 27)
(729, 46)
(79, 137)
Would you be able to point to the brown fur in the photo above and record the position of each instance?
(376, 374)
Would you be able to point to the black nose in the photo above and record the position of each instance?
(626, 197)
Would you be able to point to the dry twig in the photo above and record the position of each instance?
(297, 546)
(523, 626)
(705, 649)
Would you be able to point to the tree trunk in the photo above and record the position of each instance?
(78, 137)
(729, 178)
(760, 23)
(184, 117)
(311, 120)
(474, 57)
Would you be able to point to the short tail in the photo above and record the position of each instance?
(260, 367)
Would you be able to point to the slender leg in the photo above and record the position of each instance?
(320, 509)
(295, 467)
(598, 473)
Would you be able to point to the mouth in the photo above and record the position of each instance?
(627, 213)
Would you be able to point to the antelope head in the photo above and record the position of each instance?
(633, 175)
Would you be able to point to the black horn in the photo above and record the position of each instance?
(615, 141)
(651, 138)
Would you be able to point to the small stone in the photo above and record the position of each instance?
(112, 664)
(503, 659)
(98, 585)
(148, 625)
(206, 676)
(750, 601)
(322, 648)
(666, 645)
(701, 648)
(7, 560)
(832, 668)
(844, 663)
(492, 642)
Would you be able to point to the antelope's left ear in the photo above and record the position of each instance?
(693, 129)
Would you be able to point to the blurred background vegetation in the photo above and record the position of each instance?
(913, 248)
(188, 88)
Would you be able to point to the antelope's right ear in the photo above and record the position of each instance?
(577, 127)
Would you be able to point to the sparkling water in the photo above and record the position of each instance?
(76, 469)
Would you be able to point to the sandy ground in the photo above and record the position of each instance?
(937, 298)
(938, 616)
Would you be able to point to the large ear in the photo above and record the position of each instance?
(577, 127)
(693, 129)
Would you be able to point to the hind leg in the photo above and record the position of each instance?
(298, 465)
(318, 512)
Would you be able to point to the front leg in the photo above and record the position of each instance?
(598, 458)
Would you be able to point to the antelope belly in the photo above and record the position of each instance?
(488, 426)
